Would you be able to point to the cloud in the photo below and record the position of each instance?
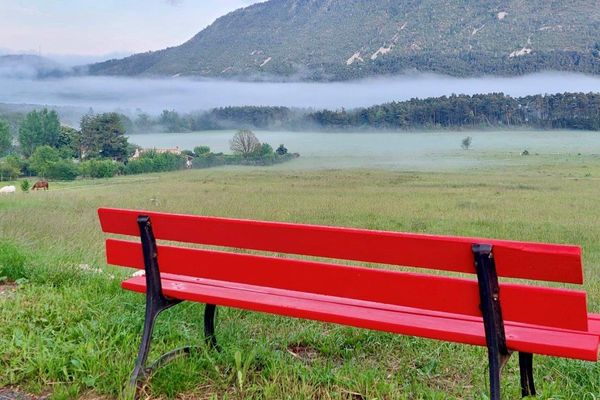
(154, 95)
(173, 2)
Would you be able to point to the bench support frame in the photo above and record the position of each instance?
(498, 352)
(156, 302)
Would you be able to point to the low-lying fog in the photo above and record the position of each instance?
(154, 95)
(435, 151)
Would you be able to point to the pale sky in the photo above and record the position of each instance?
(97, 27)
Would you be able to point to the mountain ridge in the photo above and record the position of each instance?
(22, 66)
(348, 39)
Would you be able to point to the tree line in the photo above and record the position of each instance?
(100, 149)
(557, 111)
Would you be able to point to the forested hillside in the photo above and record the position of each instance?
(345, 39)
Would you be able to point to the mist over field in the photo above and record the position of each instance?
(154, 95)
(416, 151)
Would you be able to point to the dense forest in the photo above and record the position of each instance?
(558, 111)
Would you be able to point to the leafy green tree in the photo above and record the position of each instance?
(103, 136)
(39, 128)
(15, 162)
(70, 142)
(143, 123)
(200, 150)
(173, 122)
(25, 185)
(7, 171)
(18, 163)
(42, 159)
(266, 149)
(30, 133)
(5, 138)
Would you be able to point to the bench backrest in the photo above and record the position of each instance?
(553, 307)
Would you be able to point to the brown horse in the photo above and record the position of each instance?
(40, 185)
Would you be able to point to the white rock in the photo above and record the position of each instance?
(519, 53)
(266, 62)
(355, 58)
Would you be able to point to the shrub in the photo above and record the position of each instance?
(281, 150)
(154, 162)
(99, 168)
(168, 162)
(200, 150)
(188, 153)
(466, 143)
(12, 261)
(139, 166)
(266, 150)
(25, 186)
(207, 160)
(62, 170)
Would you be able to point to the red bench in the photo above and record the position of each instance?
(505, 317)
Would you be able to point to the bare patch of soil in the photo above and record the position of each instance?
(15, 394)
(303, 352)
(6, 288)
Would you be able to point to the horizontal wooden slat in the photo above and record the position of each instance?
(559, 308)
(529, 339)
(559, 263)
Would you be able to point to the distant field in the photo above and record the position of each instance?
(432, 150)
(73, 332)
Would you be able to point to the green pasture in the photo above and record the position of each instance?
(67, 329)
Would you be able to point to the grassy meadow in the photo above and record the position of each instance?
(69, 330)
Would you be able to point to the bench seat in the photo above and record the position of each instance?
(377, 316)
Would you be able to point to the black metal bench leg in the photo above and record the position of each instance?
(489, 293)
(155, 303)
(526, 370)
(495, 371)
(210, 311)
(153, 308)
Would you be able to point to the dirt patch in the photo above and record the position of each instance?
(6, 288)
(15, 394)
(303, 352)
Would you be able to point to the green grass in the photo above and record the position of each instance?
(73, 333)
